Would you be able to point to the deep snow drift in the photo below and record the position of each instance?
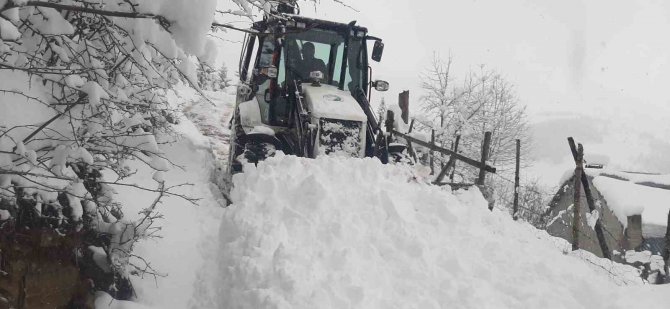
(353, 233)
(186, 251)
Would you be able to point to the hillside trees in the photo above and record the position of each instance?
(482, 101)
(212, 79)
(83, 92)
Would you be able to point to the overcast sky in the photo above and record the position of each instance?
(603, 58)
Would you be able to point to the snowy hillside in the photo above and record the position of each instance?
(353, 233)
(115, 135)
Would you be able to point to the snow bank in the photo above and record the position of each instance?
(627, 198)
(353, 233)
(189, 236)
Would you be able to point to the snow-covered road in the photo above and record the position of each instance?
(353, 233)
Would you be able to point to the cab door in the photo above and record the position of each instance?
(269, 80)
(249, 50)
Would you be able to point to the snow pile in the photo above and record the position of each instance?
(353, 233)
(627, 198)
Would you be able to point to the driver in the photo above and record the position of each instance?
(309, 63)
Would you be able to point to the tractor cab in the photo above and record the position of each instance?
(304, 89)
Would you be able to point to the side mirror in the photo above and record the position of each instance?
(381, 85)
(377, 51)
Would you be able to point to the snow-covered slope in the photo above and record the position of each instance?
(352, 233)
(189, 233)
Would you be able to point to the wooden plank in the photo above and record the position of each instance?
(598, 228)
(455, 185)
(449, 166)
(515, 210)
(485, 156)
(666, 252)
(457, 156)
(410, 149)
(452, 160)
(576, 218)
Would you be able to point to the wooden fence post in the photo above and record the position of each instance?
(515, 210)
(485, 156)
(432, 154)
(447, 152)
(666, 252)
(450, 166)
(452, 160)
(577, 197)
(389, 122)
(600, 235)
(410, 149)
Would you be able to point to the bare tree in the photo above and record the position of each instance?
(483, 101)
(92, 96)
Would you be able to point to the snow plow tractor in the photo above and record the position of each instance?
(303, 90)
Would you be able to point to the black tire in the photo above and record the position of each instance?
(235, 150)
(255, 152)
(400, 158)
(399, 154)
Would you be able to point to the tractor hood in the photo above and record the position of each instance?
(326, 101)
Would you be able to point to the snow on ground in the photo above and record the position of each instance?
(353, 233)
(350, 233)
(189, 233)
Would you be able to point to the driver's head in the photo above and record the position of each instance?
(308, 50)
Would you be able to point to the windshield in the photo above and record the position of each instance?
(324, 51)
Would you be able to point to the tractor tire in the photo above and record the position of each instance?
(398, 154)
(255, 152)
(400, 158)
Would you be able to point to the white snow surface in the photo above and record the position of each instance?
(353, 233)
(189, 233)
(349, 233)
(626, 198)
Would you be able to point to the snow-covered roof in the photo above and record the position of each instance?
(628, 198)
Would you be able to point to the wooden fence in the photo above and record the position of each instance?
(454, 156)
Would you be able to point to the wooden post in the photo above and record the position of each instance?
(403, 102)
(666, 252)
(432, 154)
(449, 166)
(453, 160)
(410, 149)
(515, 211)
(485, 156)
(576, 219)
(389, 122)
(600, 235)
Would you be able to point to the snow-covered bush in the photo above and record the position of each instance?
(83, 91)
(484, 101)
(211, 79)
